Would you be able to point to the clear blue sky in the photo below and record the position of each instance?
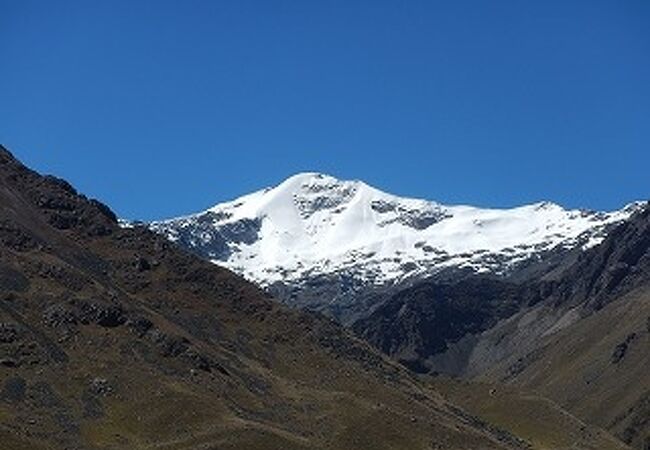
(167, 107)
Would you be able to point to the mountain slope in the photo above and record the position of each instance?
(579, 336)
(594, 358)
(323, 243)
(113, 338)
(542, 422)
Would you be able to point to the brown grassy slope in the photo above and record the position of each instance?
(114, 339)
(598, 368)
(542, 422)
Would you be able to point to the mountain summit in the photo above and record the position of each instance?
(313, 225)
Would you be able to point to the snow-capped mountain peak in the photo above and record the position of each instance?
(314, 224)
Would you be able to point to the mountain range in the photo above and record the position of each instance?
(488, 329)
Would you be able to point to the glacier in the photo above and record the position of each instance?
(313, 224)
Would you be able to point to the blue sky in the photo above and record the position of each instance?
(161, 108)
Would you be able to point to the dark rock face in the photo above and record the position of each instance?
(169, 345)
(17, 238)
(354, 297)
(212, 243)
(59, 315)
(421, 321)
(19, 346)
(612, 268)
(61, 205)
(8, 362)
(101, 387)
(140, 325)
(621, 349)
(80, 311)
(8, 333)
(142, 264)
(414, 218)
(102, 314)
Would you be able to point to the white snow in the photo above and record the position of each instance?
(313, 224)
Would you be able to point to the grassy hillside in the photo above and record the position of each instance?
(598, 368)
(541, 422)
